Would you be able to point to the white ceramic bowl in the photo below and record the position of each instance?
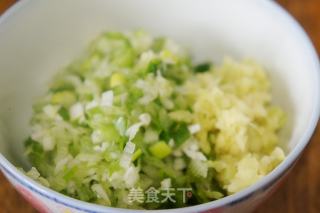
(39, 37)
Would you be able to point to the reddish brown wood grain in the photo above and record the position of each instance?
(301, 190)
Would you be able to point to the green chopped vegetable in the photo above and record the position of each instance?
(136, 154)
(204, 67)
(160, 149)
(154, 66)
(180, 133)
(64, 98)
(117, 79)
(63, 112)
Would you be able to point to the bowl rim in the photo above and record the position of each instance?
(10, 170)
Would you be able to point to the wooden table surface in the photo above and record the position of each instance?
(301, 190)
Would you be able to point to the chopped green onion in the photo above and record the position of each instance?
(136, 155)
(64, 113)
(203, 67)
(160, 149)
(180, 133)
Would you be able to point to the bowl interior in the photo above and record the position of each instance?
(40, 37)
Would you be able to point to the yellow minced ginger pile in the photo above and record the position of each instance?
(239, 125)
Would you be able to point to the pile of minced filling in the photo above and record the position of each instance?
(134, 115)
